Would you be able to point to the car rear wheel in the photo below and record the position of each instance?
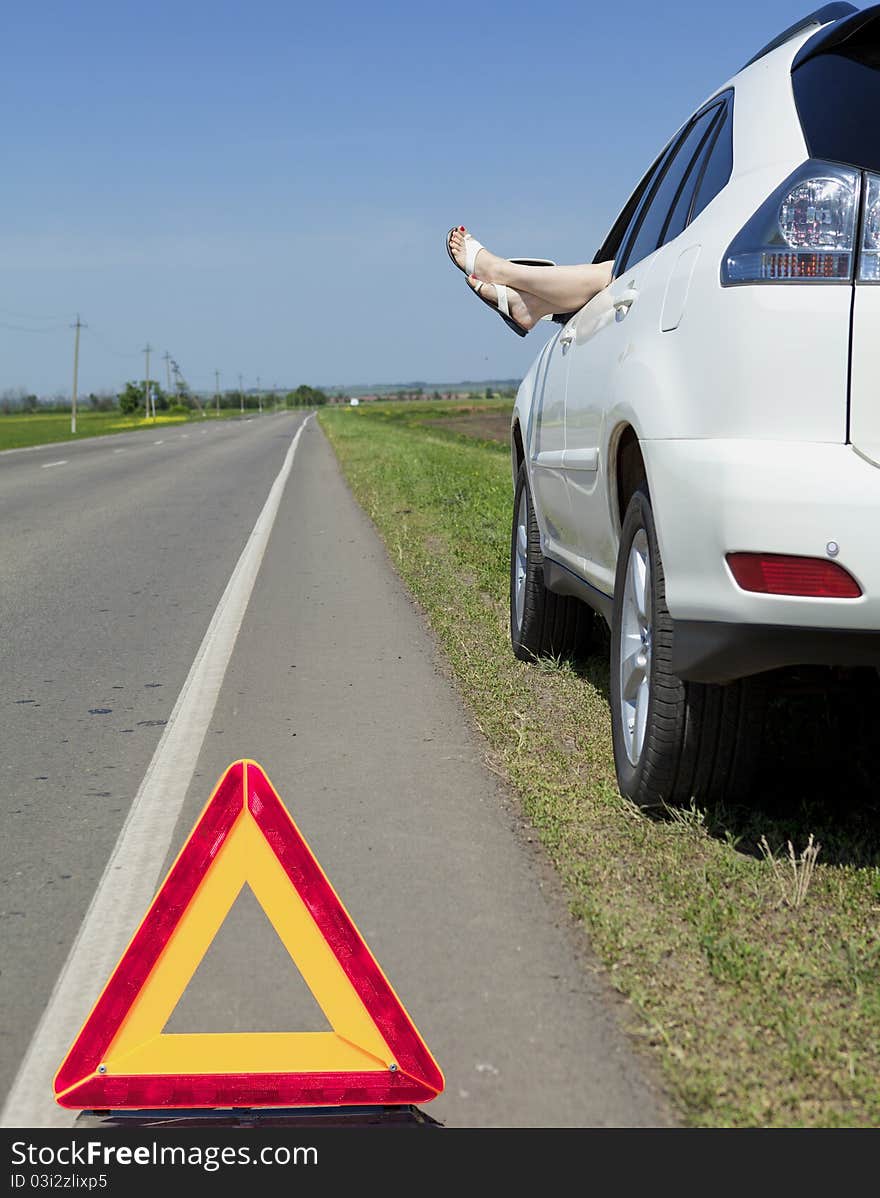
(542, 624)
(673, 740)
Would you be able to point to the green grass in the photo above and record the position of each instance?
(19, 431)
(759, 1013)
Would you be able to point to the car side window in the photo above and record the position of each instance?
(646, 236)
(719, 166)
(607, 252)
(680, 216)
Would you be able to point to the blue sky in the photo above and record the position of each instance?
(263, 188)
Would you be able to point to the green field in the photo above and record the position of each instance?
(17, 431)
(761, 1008)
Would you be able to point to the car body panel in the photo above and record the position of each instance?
(546, 450)
(724, 496)
(865, 380)
(605, 332)
(678, 288)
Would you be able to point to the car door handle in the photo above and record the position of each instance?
(624, 302)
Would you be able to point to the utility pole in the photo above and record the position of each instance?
(217, 390)
(259, 396)
(79, 325)
(167, 358)
(176, 369)
(240, 393)
(147, 350)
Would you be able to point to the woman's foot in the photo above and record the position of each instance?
(525, 309)
(486, 265)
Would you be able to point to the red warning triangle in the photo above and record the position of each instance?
(122, 1058)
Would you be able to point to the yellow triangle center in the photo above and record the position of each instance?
(141, 1047)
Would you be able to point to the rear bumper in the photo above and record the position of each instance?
(712, 651)
(714, 497)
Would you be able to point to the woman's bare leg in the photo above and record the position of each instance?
(525, 309)
(564, 288)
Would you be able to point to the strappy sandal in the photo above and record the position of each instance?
(474, 247)
(500, 305)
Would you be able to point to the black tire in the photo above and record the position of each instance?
(550, 625)
(700, 741)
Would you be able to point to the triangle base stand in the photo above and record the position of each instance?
(405, 1115)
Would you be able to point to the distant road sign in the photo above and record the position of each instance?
(121, 1058)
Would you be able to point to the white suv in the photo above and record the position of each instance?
(696, 452)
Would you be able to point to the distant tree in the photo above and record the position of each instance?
(182, 397)
(305, 397)
(12, 399)
(104, 401)
(131, 398)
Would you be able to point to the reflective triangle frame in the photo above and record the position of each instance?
(122, 1059)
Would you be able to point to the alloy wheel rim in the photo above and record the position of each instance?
(520, 558)
(636, 648)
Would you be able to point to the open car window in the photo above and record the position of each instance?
(609, 248)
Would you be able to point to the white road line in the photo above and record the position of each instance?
(158, 442)
(130, 879)
(46, 465)
(119, 450)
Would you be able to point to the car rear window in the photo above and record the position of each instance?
(837, 93)
(709, 174)
(718, 168)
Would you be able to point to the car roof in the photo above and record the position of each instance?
(764, 85)
(821, 16)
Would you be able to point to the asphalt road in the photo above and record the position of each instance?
(172, 602)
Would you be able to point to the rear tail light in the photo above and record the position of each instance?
(869, 258)
(782, 574)
(804, 231)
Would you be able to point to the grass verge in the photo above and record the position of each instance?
(758, 996)
(19, 431)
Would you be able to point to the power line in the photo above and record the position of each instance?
(108, 348)
(17, 328)
(28, 315)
